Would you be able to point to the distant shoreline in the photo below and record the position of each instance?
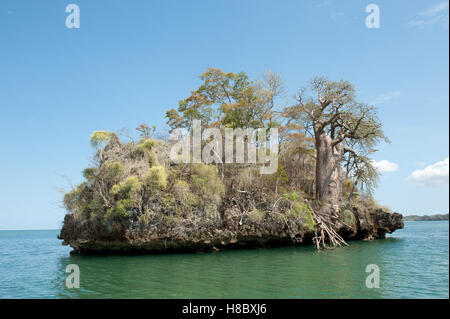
(55, 229)
(414, 218)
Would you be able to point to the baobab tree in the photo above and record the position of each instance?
(330, 113)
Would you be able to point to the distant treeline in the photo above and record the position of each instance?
(413, 218)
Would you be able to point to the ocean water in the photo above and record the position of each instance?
(413, 263)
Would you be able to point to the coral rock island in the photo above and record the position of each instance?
(135, 198)
(136, 201)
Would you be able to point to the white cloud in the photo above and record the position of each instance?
(382, 98)
(416, 23)
(324, 3)
(436, 14)
(432, 175)
(435, 10)
(385, 166)
(420, 164)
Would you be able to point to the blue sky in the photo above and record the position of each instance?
(130, 61)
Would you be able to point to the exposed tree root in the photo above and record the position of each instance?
(324, 231)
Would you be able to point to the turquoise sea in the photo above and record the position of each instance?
(413, 263)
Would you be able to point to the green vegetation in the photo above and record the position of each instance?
(156, 178)
(348, 217)
(300, 208)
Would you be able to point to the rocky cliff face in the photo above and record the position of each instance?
(353, 224)
(376, 223)
(370, 223)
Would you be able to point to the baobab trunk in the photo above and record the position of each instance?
(328, 173)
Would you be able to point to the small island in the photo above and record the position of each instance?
(136, 198)
(415, 218)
